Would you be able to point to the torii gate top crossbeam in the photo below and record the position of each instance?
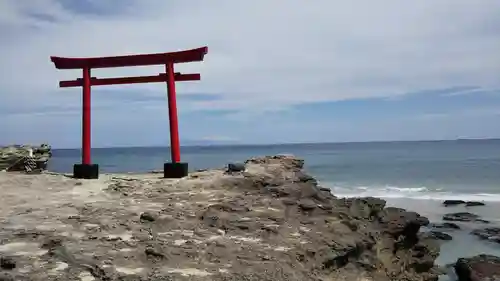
(131, 60)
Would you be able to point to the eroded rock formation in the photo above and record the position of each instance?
(269, 221)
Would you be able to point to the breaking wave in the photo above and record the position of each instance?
(422, 193)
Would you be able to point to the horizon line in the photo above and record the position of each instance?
(236, 144)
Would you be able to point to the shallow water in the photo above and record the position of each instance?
(463, 244)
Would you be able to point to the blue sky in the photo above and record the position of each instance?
(276, 71)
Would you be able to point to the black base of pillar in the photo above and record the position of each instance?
(175, 170)
(86, 171)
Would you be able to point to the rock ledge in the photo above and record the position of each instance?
(270, 221)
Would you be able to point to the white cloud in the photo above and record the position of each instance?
(261, 52)
(263, 56)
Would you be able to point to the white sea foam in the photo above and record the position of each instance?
(422, 193)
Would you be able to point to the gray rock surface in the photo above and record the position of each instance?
(11, 157)
(271, 222)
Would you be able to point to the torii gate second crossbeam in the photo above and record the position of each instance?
(175, 169)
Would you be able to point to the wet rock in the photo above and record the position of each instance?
(464, 217)
(474, 203)
(489, 233)
(447, 203)
(439, 235)
(7, 263)
(235, 167)
(147, 216)
(445, 225)
(478, 268)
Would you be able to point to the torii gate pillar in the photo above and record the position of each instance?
(174, 169)
(86, 170)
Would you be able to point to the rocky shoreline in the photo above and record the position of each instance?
(264, 220)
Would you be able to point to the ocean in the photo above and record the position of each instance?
(415, 175)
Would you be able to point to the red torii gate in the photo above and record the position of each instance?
(86, 169)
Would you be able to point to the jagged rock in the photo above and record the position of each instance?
(11, 157)
(425, 253)
(399, 222)
(464, 217)
(478, 268)
(270, 222)
(447, 203)
(489, 233)
(366, 207)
